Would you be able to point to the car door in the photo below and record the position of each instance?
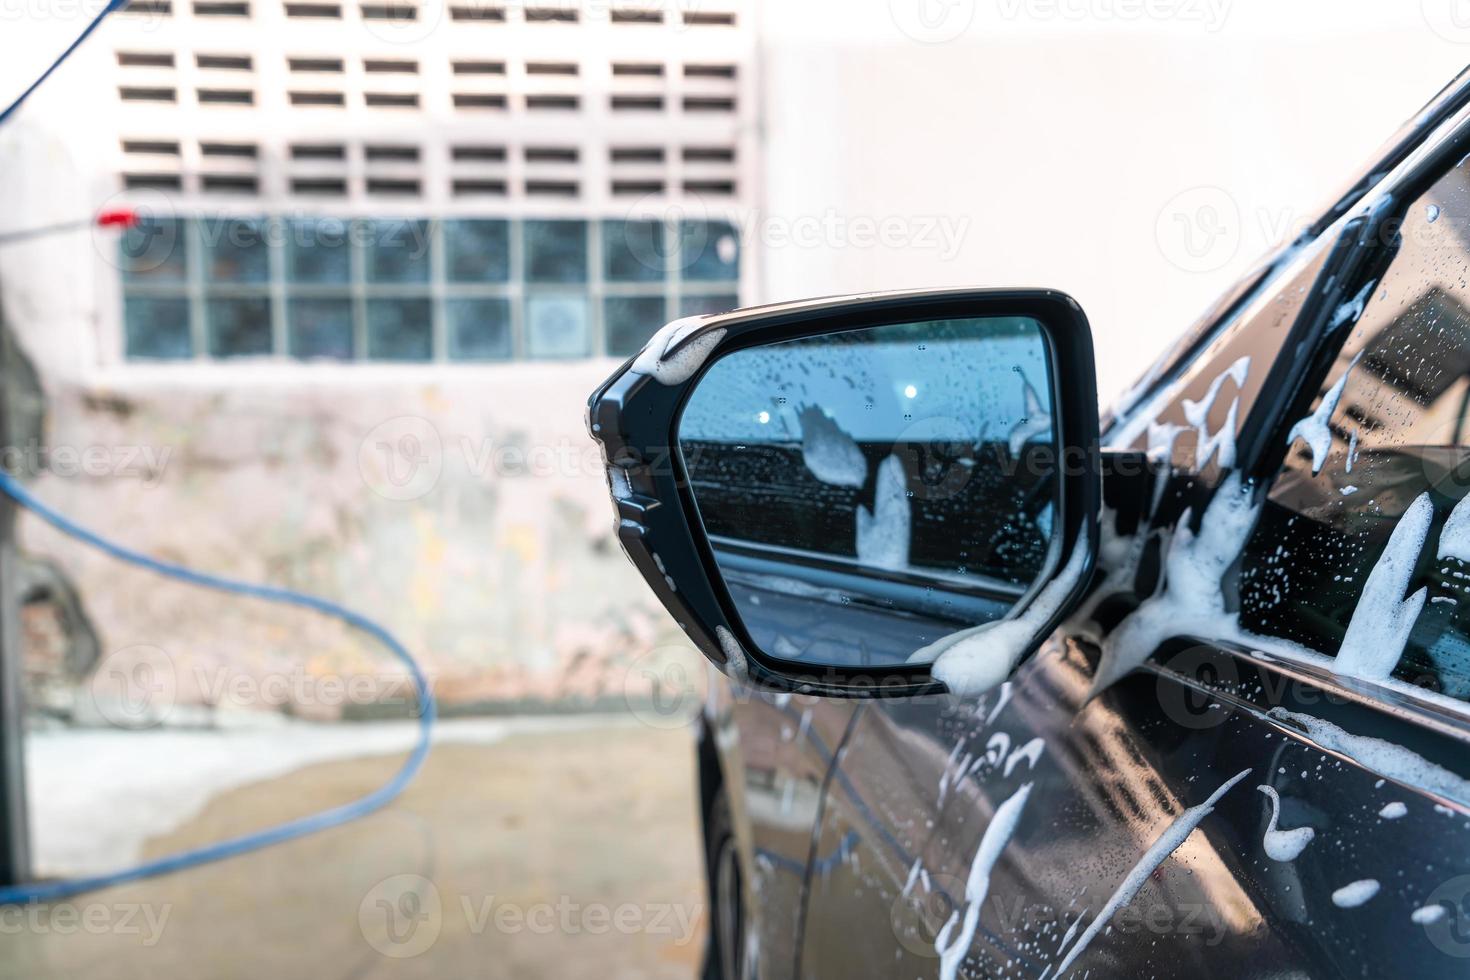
(778, 751)
(1244, 804)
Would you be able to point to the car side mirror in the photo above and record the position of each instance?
(868, 495)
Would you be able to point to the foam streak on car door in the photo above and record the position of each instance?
(1121, 821)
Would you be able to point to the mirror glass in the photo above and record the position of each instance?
(870, 491)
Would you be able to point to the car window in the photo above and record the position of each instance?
(1354, 526)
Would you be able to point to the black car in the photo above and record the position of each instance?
(1012, 690)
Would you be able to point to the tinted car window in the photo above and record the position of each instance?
(1356, 518)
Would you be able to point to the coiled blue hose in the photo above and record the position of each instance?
(45, 891)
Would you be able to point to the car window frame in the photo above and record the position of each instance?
(1359, 256)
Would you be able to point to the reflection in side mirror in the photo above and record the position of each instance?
(869, 492)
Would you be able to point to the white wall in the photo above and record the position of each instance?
(1062, 150)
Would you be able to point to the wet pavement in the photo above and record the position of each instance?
(554, 853)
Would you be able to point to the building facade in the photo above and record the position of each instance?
(384, 252)
(424, 181)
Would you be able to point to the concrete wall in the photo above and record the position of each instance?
(464, 512)
(462, 506)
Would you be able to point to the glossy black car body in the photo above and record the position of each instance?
(845, 832)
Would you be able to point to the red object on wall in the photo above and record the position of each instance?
(117, 218)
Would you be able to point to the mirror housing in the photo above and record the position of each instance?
(635, 416)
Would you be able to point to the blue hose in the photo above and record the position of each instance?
(385, 794)
(376, 800)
